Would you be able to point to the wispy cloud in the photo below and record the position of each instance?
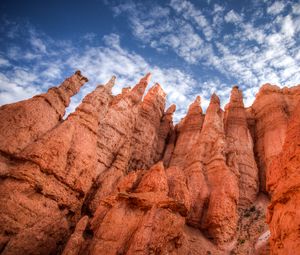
(40, 71)
(233, 17)
(276, 8)
(212, 48)
(241, 46)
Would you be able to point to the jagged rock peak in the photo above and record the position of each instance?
(214, 99)
(138, 90)
(236, 96)
(214, 105)
(154, 180)
(267, 89)
(78, 73)
(109, 85)
(195, 107)
(70, 86)
(171, 109)
(157, 89)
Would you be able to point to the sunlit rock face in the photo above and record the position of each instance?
(118, 177)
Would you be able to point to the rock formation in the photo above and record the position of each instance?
(283, 182)
(240, 156)
(117, 177)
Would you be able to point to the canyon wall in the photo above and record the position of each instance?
(118, 177)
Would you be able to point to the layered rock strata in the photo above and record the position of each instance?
(117, 177)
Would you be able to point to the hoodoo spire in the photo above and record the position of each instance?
(109, 85)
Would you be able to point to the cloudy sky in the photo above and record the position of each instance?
(190, 47)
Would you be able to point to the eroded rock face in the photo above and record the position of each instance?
(44, 185)
(24, 122)
(116, 177)
(239, 154)
(220, 219)
(283, 181)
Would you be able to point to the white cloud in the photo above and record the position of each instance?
(190, 12)
(38, 44)
(98, 63)
(296, 8)
(252, 52)
(11, 91)
(288, 26)
(4, 62)
(233, 17)
(276, 8)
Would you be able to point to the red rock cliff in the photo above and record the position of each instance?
(116, 177)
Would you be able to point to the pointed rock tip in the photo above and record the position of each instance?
(78, 73)
(236, 95)
(195, 106)
(111, 82)
(214, 98)
(147, 77)
(156, 88)
(171, 109)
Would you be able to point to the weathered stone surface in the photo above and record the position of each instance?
(114, 143)
(116, 177)
(125, 226)
(188, 131)
(272, 109)
(220, 219)
(145, 138)
(50, 178)
(239, 154)
(186, 156)
(165, 131)
(24, 122)
(75, 243)
(283, 181)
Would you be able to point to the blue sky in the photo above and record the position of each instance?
(190, 47)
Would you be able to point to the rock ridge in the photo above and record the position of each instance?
(118, 177)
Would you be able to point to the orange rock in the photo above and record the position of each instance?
(114, 143)
(186, 156)
(239, 154)
(127, 181)
(146, 131)
(52, 175)
(270, 110)
(283, 181)
(75, 243)
(220, 219)
(24, 122)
